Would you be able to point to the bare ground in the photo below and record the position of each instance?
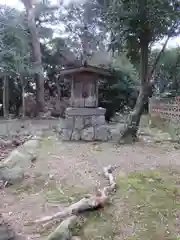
(64, 171)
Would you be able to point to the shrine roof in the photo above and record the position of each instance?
(88, 68)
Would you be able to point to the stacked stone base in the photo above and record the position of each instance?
(87, 124)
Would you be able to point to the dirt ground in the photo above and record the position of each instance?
(64, 171)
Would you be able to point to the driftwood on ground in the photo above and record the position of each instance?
(70, 214)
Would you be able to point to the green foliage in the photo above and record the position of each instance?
(120, 92)
(120, 20)
(122, 63)
(167, 75)
(14, 54)
(75, 16)
(129, 23)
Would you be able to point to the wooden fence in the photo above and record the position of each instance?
(166, 108)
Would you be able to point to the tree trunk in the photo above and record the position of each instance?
(5, 97)
(23, 102)
(144, 92)
(23, 97)
(36, 50)
(58, 88)
(133, 122)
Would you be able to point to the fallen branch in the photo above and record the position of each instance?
(83, 205)
(112, 184)
(88, 203)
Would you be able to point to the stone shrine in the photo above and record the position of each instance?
(84, 120)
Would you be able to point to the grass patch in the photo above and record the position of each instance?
(157, 124)
(152, 201)
(99, 225)
(146, 206)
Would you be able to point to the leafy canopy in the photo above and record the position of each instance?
(133, 21)
(14, 44)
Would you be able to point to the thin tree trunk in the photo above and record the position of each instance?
(58, 88)
(23, 97)
(36, 50)
(5, 97)
(23, 102)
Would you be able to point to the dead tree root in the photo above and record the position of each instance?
(69, 216)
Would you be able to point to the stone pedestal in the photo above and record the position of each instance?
(86, 124)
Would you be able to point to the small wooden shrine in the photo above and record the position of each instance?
(84, 120)
(84, 88)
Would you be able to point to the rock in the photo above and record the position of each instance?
(114, 135)
(11, 176)
(31, 145)
(88, 134)
(102, 133)
(78, 124)
(69, 122)
(87, 121)
(61, 233)
(17, 158)
(76, 136)
(66, 134)
(16, 142)
(79, 111)
(98, 120)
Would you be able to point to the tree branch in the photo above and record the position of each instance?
(161, 52)
(90, 202)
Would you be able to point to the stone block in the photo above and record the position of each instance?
(87, 134)
(76, 136)
(70, 111)
(66, 134)
(69, 122)
(102, 133)
(19, 157)
(78, 122)
(98, 120)
(11, 175)
(114, 135)
(87, 121)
